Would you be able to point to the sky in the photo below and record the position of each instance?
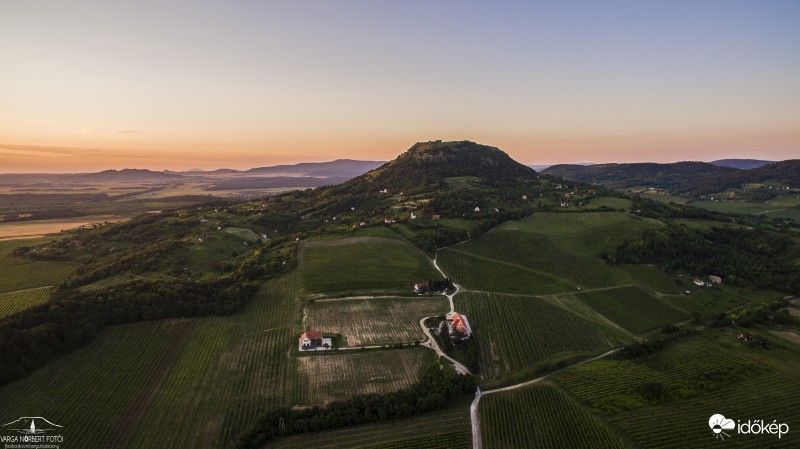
(92, 85)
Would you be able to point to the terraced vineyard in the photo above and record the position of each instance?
(773, 396)
(101, 390)
(419, 431)
(588, 233)
(515, 332)
(540, 416)
(687, 369)
(632, 308)
(362, 264)
(328, 377)
(27, 275)
(374, 321)
(13, 302)
(452, 440)
(485, 274)
(174, 383)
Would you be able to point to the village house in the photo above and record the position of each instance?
(458, 323)
(389, 220)
(715, 279)
(699, 282)
(412, 216)
(422, 288)
(477, 209)
(314, 341)
(436, 216)
(524, 197)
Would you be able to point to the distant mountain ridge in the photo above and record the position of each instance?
(743, 164)
(683, 178)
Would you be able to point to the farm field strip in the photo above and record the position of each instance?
(540, 416)
(374, 321)
(515, 332)
(100, 386)
(328, 377)
(606, 384)
(479, 273)
(453, 418)
(16, 301)
(632, 308)
(770, 397)
(35, 274)
(361, 263)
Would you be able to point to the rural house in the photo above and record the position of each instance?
(313, 341)
(715, 279)
(458, 323)
(422, 288)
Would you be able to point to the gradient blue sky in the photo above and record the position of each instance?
(182, 84)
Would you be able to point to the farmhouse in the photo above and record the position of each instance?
(699, 282)
(422, 288)
(458, 323)
(715, 279)
(313, 341)
(436, 216)
(390, 220)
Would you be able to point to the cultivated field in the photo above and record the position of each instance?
(362, 263)
(686, 369)
(515, 332)
(551, 253)
(632, 308)
(781, 209)
(374, 321)
(540, 416)
(425, 431)
(175, 383)
(329, 377)
(13, 302)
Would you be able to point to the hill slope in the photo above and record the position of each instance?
(682, 178)
(426, 165)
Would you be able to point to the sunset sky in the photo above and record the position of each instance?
(90, 85)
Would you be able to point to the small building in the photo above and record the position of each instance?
(314, 341)
(436, 216)
(477, 209)
(412, 216)
(715, 279)
(524, 197)
(458, 323)
(384, 191)
(390, 220)
(311, 338)
(422, 288)
(699, 282)
(564, 204)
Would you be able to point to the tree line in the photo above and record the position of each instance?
(434, 390)
(36, 336)
(741, 256)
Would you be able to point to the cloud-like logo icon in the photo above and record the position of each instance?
(719, 424)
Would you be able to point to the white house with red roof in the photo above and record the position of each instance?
(314, 341)
(458, 322)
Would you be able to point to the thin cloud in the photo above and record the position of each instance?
(128, 131)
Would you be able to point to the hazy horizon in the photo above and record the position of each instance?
(100, 85)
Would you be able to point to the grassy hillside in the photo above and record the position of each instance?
(552, 253)
(362, 264)
(632, 308)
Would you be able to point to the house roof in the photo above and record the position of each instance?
(315, 335)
